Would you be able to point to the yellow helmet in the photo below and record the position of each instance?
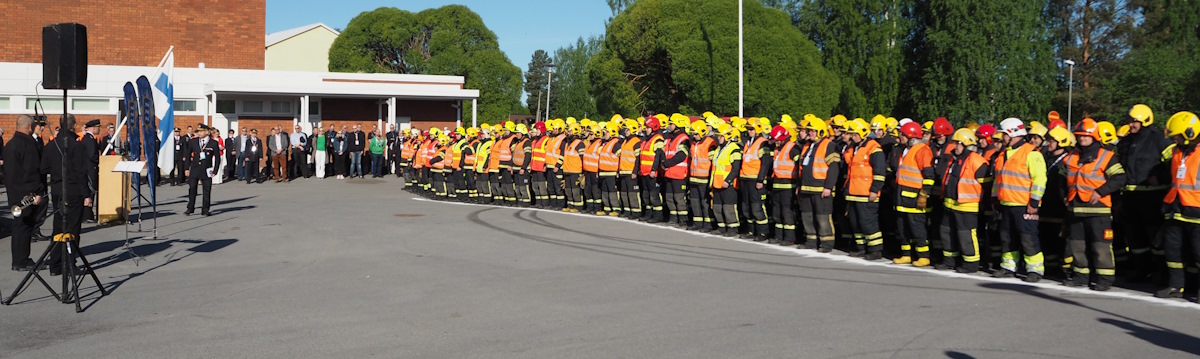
(586, 123)
(497, 128)
(730, 132)
(1063, 137)
(572, 121)
(858, 126)
(789, 125)
(878, 123)
(510, 126)
(1123, 131)
(632, 125)
(713, 121)
(763, 126)
(435, 132)
(680, 121)
(1036, 128)
(616, 118)
(927, 126)
(737, 122)
(614, 131)
(965, 136)
(522, 129)
(837, 121)
(575, 129)
(461, 131)
(786, 119)
(818, 125)
(443, 140)
(699, 128)
(891, 125)
(472, 132)
(1107, 132)
(1141, 113)
(594, 128)
(1184, 124)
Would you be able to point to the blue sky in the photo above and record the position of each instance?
(522, 26)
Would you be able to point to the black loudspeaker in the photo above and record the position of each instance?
(64, 56)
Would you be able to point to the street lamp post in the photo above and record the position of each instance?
(549, 78)
(1070, 88)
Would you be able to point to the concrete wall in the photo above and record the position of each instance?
(219, 33)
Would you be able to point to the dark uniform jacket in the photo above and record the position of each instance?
(199, 159)
(22, 167)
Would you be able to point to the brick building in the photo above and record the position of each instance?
(220, 76)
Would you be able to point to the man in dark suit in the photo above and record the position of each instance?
(251, 157)
(231, 153)
(73, 164)
(177, 177)
(22, 176)
(203, 156)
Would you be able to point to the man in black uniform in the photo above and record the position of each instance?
(231, 142)
(73, 164)
(202, 156)
(22, 158)
(253, 154)
(177, 176)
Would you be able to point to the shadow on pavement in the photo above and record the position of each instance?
(1148, 332)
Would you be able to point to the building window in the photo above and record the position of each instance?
(226, 106)
(5, 104)
(252, 106)
(314, 108)
(185, 105)
(89, 105)
(49, 105)
(281, 107)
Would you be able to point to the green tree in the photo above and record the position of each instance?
(572, 90)
(681, 56)
(450, 40)
(861, 41)
(535, 82)
(1096, 34)
(980, 60)
(1163, 67)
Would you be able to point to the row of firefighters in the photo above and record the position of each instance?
(1008, 200)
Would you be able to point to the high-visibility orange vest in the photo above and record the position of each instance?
(679, 170)
(861, 175)
(469, 159)
(538, 162)
(701, 166)
(504, 152)
(572, 163)
(518, 152)
(1083, 180)
(554, 152)
(1185, 188)
(909, 174)
(409, 150)
(1013, 181)
(815, 173)
(968, 188)
(591, 156)
(494, 156)
(630, 150)
(783, 166)
(751, 163)
(609, 161)
(443, 152)
(456, 154)
(646, 157)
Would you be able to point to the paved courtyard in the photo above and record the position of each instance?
(359, 268)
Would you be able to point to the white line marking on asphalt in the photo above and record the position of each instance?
(1116, 293)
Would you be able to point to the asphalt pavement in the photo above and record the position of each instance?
(359, 268)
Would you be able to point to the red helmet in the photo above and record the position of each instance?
(912, 129)
(1056, 123)
(652, 124)
(985, 131)
(540, 126)
(779, 133)
(942, 126)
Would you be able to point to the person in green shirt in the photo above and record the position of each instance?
(319, 153)
(376, 145)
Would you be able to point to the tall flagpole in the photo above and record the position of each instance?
(741, 74)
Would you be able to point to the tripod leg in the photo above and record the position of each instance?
(33, 274)
(87, 269)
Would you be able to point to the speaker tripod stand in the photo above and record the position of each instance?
(72, 276)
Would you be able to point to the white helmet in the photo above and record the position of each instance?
(903, 121)
(1013, 127)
